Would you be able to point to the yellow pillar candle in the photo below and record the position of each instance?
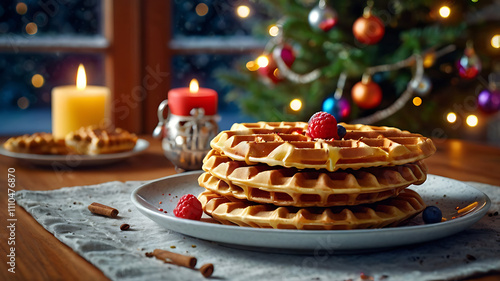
(76, 107)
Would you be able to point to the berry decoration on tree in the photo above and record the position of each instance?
(469, 65)
(322, 17)
(366, 94)
(489, 101)
(368, 29)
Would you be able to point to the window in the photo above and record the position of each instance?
(140, 49)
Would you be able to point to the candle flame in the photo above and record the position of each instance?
(193, 86)
(81, 78)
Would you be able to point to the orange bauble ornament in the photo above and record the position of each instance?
(366, 94)
(368, 29)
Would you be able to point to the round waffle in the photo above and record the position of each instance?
(37, 143)
(305, 188)
(390, 212)
(286, 144)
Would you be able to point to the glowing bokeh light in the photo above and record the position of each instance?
(296, 104)
(451, 117)
(201, 9)
(37, 80)
(274, 30)
(472, 120)
(444, 11)
(262, 61)
(31, 28)
(252, 66)
(21, 8)
(417, 101)
(495, 41)
(23, 102)
(243, 11)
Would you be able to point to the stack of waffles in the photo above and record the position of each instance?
(272, 175)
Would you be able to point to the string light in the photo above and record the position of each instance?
(21, 8)
(444, 11)
(201, 9)
(274, 30)
(296, 104)
(252, 66)
(429, 60)
(262, 61)
(243, 11)
(495, 41)
(417, 101)
(37, 80)
(31, 28)
(472, 120)
(451, 117)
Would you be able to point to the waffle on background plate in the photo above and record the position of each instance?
(90, 140)
(273, 175)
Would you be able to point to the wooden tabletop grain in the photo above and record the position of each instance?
(40, 256)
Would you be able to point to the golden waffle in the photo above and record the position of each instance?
(309, 187)
(390, 212)
(94, 140)
(37, 143)
(286, 144)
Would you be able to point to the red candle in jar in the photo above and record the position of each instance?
(182, 100)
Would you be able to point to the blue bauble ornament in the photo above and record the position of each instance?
(339, 108)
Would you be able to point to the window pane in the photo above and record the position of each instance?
(34, 17)
(26, 81)
(216, 17)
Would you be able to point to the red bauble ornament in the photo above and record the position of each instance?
(287, 55)
(366, 95)
(368, 29)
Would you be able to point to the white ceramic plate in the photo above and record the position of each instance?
(74, 161)
(445, 193)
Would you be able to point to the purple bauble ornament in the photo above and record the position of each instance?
(489, 101)
(339, 108)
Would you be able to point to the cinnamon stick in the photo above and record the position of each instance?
(207, 270)
(104, 210)
(174, 258)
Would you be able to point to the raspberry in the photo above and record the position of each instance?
(188, 207)
(322, 125)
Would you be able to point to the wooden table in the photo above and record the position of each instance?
(40, 256)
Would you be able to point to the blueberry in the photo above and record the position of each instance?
(432, 214)
(341, 131)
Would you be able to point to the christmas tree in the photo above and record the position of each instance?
(409, 64)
